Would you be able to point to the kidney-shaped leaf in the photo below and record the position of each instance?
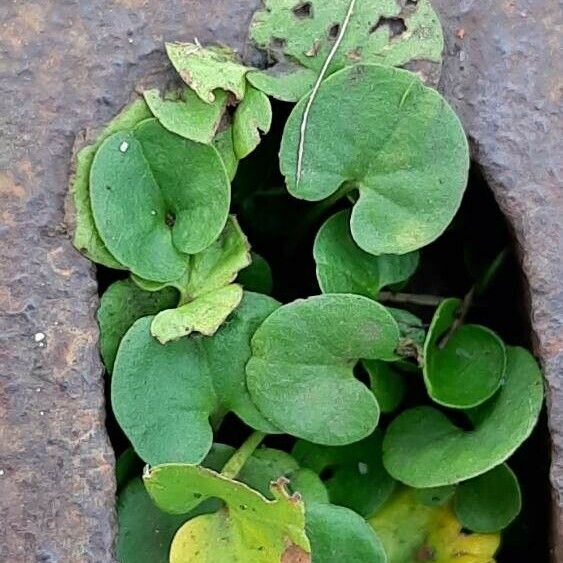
(356, 477)
(182, 112)
(172, 194)
(380, 131)
(469, 368)
(120, 306)
(412, 531)
(251, 528)
(206, 69)
(339, 535)
(171, 390)
(343, 267)
(422, 448)
(300, 34)
(301, 376)
(490, 502)
(86, 238)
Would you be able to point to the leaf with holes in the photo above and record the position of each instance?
(343, 267)
(354, 474)
(299, 35)
(252, 117)
(396, 142)
(468, 369)
(490, 502)
(207, 296)
(120, 306)
(86, 237)
(172, 390)
(207, 69)
(251, 528)
(423, 448)
(182, 112)
(173, 194)
(412, 531)
(300, 374)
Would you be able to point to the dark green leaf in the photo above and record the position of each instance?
(389, 128)
(343, 267)
(300, 375)
(172, 194)
(422, 448)
(387, 383)
(258, 276)
(490, 502)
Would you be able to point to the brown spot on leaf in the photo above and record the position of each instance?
(294, 554)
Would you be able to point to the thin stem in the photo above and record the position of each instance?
(240, 457)
(410, 298)
(460, 318)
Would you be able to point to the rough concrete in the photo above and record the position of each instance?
(503, 72)
(66, 65)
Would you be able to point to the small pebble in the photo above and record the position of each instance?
(41, 413)
(462, 56)
(39, 337)
(1, 472)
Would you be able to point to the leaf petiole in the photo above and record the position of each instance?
(240, 457)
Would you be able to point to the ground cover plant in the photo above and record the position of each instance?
(390, 419)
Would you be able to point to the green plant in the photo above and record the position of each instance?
(193, 341)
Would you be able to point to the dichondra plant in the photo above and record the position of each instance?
(393, 434)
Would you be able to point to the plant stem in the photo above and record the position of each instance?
(410, 298)
(240, 457)
(460, 318)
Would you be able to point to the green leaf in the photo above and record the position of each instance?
(339, 535)
(252, 116)
(435, 496)
(258, 276)
(86, 238)
(128, 466)
(182, 112)
(412, 531)
(300, 35)
(172, 194)
(410, 326)
(120, 306)
(207, 295)
(356, 476)
(387, 383)
(343, 267)
(490, 502)
(301, 376)
(171, 390)
(422, 448)
(225, 147)
(251, 528)
(205, 70)
(389, 128)
(203, 315)
(469, 369)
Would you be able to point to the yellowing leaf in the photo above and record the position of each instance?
(413, 532)
(250, 527)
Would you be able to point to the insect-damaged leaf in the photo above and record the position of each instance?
(395, 141)
(252, 116)
(469, 368)
(301, 376)
(422, 448)
(207, 296)
(356, 477)
(206, 69)
(412, 531)
(171, 390)
(490, 502)
(120, 306)
(250, 528)
(86, 238)
(300, 34)
(172, 194)
(343, 267)
(183, 112)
